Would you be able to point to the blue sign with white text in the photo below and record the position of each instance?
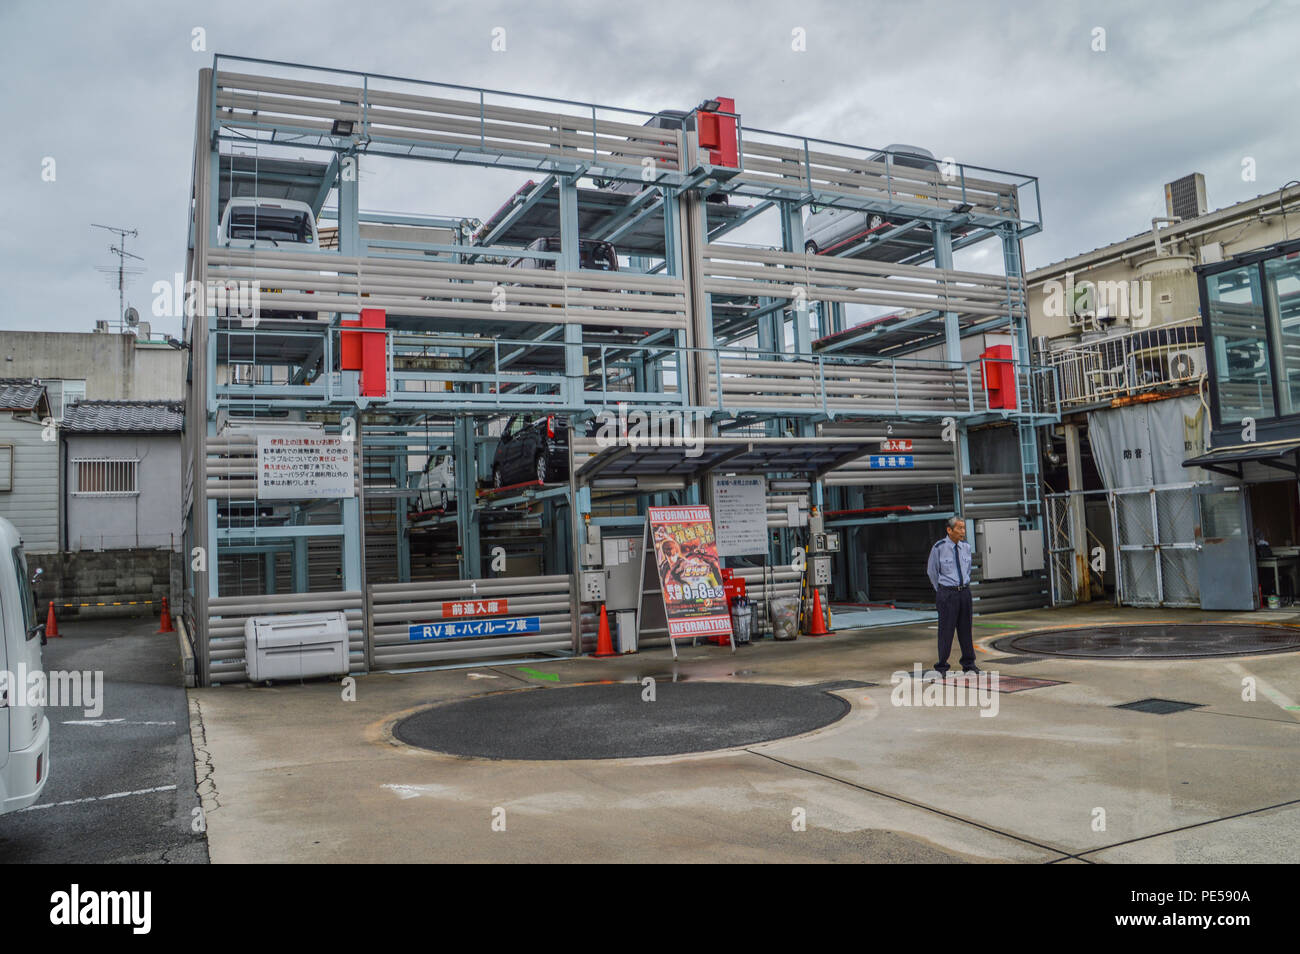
(456, 629)
(892, 461)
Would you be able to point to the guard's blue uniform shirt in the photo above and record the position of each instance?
(943, 568)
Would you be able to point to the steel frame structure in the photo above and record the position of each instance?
(752, 340)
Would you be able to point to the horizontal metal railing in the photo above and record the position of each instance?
(228, 614)
(439, 120)
(396, 607)
(397, 116)
(1123, 365)
(736, 270)
(324, 282)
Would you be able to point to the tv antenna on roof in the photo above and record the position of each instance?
(123, 272)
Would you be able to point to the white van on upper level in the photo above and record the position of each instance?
(827, 229)
(24, 729)
(252, 222)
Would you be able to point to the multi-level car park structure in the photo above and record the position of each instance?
(765, 344)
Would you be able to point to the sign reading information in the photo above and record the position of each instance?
(690, 577)
(740, 505)
(308, 466)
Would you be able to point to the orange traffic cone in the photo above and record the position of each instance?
(604, 643)
(818, 627)
(51, 624)
(165, 624)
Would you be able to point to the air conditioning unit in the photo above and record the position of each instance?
(1185, 365)
(296, 647)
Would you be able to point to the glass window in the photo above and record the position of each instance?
(106, 477)
(1240, 341)
(1282, 288)
(6, 467)
(25, 596)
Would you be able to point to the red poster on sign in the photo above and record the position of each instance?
(690, 576)
(894, 445)
(474, 608)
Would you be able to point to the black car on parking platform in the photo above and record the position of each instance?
(532, 447)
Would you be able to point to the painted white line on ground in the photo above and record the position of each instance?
(1278, 698)
(99, 723)
(99, 798)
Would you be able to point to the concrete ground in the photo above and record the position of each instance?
(297, 773)
(121, 782)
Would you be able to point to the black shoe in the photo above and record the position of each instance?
(975, 669)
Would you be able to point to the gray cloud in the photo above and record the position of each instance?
(108, 91)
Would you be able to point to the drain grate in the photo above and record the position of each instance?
(1160, 706)
(1012, 661)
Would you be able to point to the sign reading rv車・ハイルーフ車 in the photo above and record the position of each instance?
(457, 629)
(293, 466)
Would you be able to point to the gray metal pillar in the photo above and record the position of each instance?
(401, 509)
(353, 525)
(1078, 514)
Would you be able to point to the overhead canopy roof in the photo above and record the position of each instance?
(743, 455)
(1270, 453)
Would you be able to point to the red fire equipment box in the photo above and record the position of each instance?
(999, 376)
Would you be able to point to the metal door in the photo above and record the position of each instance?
(1226, 560)
(1156, 545)
(1060, 548)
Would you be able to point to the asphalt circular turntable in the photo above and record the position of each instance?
(611, 720)
(1155, 641)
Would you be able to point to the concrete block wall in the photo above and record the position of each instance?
(123, 577)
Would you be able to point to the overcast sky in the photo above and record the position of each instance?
(108, 91)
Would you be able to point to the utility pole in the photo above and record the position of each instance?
(122, 255)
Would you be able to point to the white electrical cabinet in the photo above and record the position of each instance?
(296, 647)
(1000, 551)
(1031, 550)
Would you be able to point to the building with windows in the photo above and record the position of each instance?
(29, 464)
(1250, 306)
(121, 468)
(95, 366)
(1123, 327)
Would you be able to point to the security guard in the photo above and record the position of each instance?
(949, 572)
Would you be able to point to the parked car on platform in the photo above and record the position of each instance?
(276, 225)
(532, 448)
(828, 229)
(437, 484)
(592, 255)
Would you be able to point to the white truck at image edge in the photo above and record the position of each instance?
(24, 729)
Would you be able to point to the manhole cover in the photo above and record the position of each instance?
(612, 721)
(1155, 641)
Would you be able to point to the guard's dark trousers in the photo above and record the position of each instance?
(954, 613)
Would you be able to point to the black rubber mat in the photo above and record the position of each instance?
(1155, 641)
(613, 722)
